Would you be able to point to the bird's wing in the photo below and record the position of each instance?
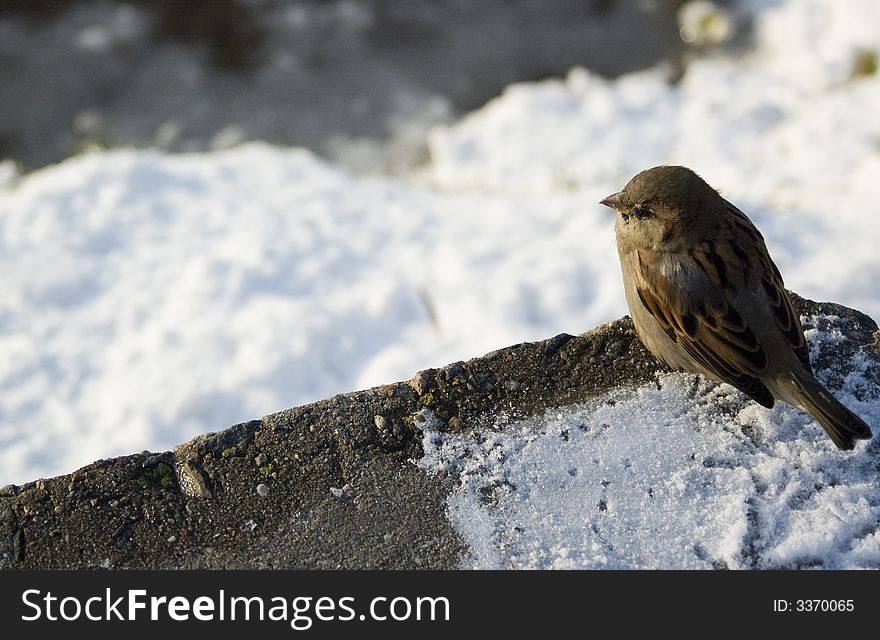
(714, 335)
(703, 318)
(771, 280)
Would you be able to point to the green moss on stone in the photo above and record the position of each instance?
(161, 475)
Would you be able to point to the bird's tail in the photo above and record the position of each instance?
(842, 425)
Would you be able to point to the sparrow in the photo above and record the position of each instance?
(706, 297)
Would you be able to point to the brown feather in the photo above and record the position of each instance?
(720, 341)
(777, 296)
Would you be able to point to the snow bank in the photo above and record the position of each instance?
(148, 298)
(789, 132)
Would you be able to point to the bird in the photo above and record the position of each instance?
(705, 297)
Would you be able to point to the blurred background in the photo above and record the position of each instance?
(213, 210)
(358, 81)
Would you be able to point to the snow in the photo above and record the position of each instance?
(150, 297)
(787, 132)
(677, 474)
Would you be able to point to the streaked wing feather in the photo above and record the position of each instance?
(716, 337)
(771, 280)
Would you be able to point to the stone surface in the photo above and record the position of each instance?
(197, 507)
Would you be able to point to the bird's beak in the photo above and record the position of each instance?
(612, 201)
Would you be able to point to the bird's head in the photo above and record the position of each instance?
(663, 207)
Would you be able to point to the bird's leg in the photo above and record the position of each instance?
(695, 386)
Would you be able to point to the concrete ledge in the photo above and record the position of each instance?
(326, 485)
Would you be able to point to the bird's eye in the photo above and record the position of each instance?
(641, 212)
